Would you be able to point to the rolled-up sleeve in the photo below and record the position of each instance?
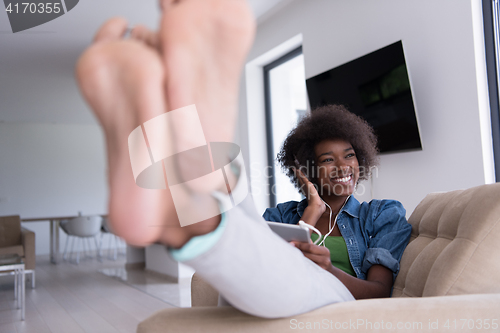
(390, 235)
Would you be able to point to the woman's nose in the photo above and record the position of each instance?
(340, 169)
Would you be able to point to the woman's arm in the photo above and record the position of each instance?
(378, 281)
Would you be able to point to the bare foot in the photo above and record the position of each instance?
(205, 43)
(148, 37)
(124, 83)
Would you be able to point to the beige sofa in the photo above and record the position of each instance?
(449, 281)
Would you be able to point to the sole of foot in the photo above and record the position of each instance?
(122, 81)
(205, 44)
(126, 83)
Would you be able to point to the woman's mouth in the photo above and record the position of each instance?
(342, 180)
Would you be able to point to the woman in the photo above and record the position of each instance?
(326, 156)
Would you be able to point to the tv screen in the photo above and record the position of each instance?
(375, 87)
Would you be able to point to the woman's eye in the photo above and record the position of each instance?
(328, 160)
(351, 155)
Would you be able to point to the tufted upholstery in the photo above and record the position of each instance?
(454, 245)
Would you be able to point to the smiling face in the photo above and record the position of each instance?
(338, 168)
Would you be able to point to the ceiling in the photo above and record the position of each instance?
(37, 65)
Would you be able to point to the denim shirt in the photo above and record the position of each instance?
(375, 232)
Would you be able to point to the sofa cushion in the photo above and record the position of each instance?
(426, 314)
(202, 294)
(455, 239)
(10, 230)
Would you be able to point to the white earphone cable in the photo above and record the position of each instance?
(310, 227)
(330, 228)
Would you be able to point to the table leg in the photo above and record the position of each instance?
(57, 241)
(54, 241)
(16, 286)
(23, 293)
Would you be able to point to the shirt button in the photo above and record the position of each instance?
(343, 226)
(350, 241)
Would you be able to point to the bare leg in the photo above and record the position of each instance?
(204, 45)
(125, 82)
(122, 80)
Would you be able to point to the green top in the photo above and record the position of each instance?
(338, 252)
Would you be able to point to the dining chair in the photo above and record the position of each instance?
(82, 228)
(112, 238)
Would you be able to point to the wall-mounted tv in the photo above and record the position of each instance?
(375, 87)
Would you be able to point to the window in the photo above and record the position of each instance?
(285, 104)
(491, 17)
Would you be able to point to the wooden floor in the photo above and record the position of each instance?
(71, 298)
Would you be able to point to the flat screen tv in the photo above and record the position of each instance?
(375, 87)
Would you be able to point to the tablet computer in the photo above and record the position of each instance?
(290, 232)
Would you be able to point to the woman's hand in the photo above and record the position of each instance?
(378, 281)
(315, 205)
(319, 254)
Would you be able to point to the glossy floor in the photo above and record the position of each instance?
(90, 297)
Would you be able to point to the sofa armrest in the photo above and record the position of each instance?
(28, 241)
(202, 294)
(417, 314)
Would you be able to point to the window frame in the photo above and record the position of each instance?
(268, 118)
(491, 21)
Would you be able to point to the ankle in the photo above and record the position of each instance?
(184, 234)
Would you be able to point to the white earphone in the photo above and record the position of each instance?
(330, 227)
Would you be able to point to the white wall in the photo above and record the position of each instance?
(159, 260)
(447, 84)
(51, 170)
